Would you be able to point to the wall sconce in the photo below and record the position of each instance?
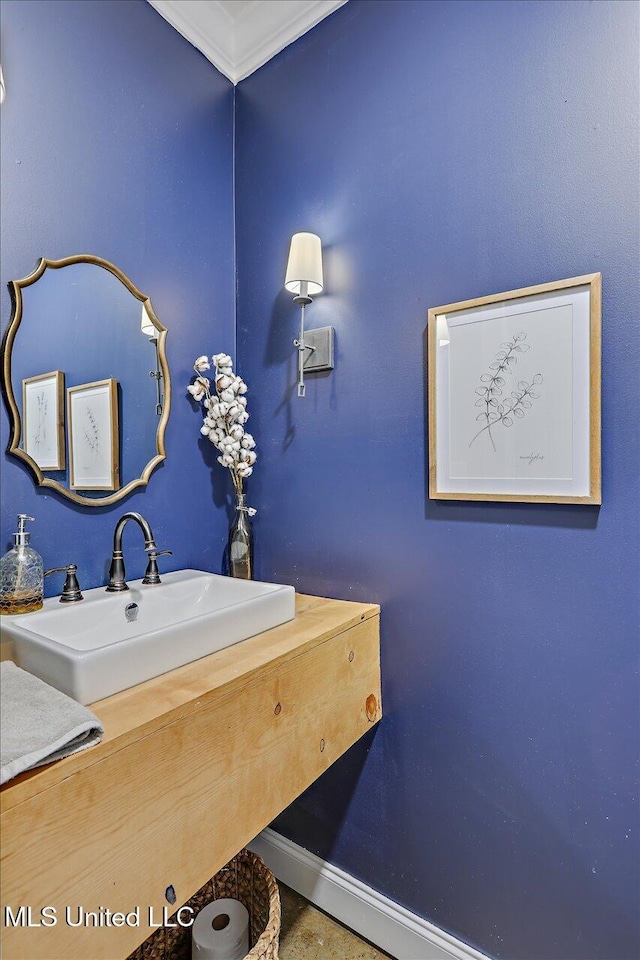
(148, 330)
(304, 278)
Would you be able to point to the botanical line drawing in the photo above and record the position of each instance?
(497, 411)
(92, 432)
(40, 432)
(93, 435)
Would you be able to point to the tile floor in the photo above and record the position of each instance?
(308, 934)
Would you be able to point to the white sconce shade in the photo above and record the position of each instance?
(305, 264)
(146, 326)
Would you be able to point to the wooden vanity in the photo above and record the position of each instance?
(193, 765)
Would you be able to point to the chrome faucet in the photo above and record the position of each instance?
(117, 572)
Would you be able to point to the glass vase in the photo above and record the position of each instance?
(241, 542)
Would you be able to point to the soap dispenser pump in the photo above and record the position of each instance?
(21, 574)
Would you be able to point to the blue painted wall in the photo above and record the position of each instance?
(117, 140)
(445, 151)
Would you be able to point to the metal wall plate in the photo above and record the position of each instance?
(321, 358)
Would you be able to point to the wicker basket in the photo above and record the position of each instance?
(245, 878)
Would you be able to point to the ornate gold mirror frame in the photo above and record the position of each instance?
(15, 288)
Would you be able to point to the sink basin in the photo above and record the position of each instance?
(90, 649)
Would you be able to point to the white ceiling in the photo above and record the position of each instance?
(238, 36)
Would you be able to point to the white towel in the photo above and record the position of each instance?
(39, 724)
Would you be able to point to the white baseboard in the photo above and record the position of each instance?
(385, 923)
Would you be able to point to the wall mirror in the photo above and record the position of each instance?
(85, 380)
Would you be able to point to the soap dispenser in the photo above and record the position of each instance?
(21, 574)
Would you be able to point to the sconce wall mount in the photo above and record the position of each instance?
(149, 330)
(304, 279)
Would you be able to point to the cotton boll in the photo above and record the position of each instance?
(202, 364)
(196, 390)
(242, 401)
(235, 445)
(242, 387)
(236, 432)
(252, 457)
(227, 460)
(227, 395)
(243, 418)
(248, 442)
(223, 382)
(222, 360)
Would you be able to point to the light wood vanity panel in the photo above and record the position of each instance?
(194, 765)
(128, 715)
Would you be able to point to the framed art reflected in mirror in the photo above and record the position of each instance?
(94, 454)
(43, 419)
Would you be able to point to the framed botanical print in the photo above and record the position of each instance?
(43, 419)
(92, 417)
(514, 395)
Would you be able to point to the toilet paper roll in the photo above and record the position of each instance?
(221, 931)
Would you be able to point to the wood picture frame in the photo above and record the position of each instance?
(92, 422)
(514, 395)
(43, 420)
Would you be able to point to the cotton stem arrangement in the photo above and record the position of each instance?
(225, 416)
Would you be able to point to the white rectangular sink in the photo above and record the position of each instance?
(90, 649)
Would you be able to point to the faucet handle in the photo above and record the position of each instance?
(152, 574)
(71, 589)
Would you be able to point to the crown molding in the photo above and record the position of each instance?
(239, 43)
(269, 27)
(204, 24)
